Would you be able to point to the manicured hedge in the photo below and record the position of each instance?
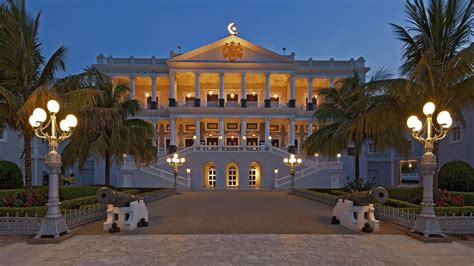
(10, 175)
(31, 211)
(448, 211)
(76, 203)
(456, 176)
(67, 193)
(411, 195)
(468, 197)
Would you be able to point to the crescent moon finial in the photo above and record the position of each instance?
(232, 28)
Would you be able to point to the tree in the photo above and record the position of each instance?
(437, 64)
(107, 129)
(25, 75)
(343, 121)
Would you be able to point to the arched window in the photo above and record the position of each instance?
(232, 177)
(211, 177)
(252, 176)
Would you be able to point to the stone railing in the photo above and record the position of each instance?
(449, 224)
(15, 225)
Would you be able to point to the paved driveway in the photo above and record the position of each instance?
(237, 212)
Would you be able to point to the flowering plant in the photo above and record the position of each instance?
(447, 198)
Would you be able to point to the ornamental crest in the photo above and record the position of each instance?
(232, 51)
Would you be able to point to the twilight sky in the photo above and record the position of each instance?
(319, 29)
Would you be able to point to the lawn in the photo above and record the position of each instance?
(72, 198)
(453, 203)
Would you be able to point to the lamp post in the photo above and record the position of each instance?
(426, 222)
(53, 223)
(292, 162)
(175, 162)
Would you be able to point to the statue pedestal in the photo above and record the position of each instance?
(355, 217)
(126, 218)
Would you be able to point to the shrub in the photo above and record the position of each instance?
(78, 202)
(19, 200)
(10, 175)
(30, 211)
(363, 185)
(400, 203)
(468, 197)
(447, 198)
(67, 193)
(411, 195)
(456, 176)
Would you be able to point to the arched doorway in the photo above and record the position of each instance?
(210, 174)
(232, 175)
(255, 175)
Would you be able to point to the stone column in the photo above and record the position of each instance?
(221, 90)
(243, 131)
(309, 104)
(292, 102)
(310, 127)
(172, 148)
(221, 131)
(292, 147)
(267, 90)
(197, 131)
(267, 130)
(197, 93)
(132, 86)
(331, 82)
(172, 98)
(243, 99)
(153, 104)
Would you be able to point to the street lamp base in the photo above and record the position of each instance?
(428, 226)
(53, 227)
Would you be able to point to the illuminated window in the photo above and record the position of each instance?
(253, 176)
(211, 176)
(232, 177)
(409, 172)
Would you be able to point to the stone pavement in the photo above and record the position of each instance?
(237, 212)
(240, 249)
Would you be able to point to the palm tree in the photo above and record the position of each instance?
(343, 124)
(437, 64)
(25, 75)
(107, 130)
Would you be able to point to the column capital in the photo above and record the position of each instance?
(132, 76)
(267, 74)
(221, 74)
(197, 74)
(243, 117)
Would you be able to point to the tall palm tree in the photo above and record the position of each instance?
(107, 129)
(438, 62)
(343, 124)
(25, 75)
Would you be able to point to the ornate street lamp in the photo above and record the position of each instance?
(426, 222)
(53, 223)
(292, 162)
(175, 162)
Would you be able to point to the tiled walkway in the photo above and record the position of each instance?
(238, 250)
(237, 212)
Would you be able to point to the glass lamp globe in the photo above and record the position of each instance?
(53, 106)
(40, 115)
(428, 108)
(411, 121)
(32, 121)
(418, 125)
(292, 156)
(64, 125)
(71, 120)
(299, 160)
(285, 160)
(444, 118)
(168, 160)
(183, 160)
(338, 155)
(175, 155)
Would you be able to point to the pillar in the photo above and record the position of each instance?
(309, 104)
(154, 139)
(310, 127)
(221, 131)
(197, 93)
(292, 147)
(172, 148)
(172, 99)
(243, 99)
(221, 90)
(267, 90)
(243, 131)
(153, 104)
(197, 131)
(331, 82)
(267, 130)
(132, 86)
(292, 102)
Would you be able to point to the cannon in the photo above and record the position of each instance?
(378, 195)
(356, 210)
(124, 210)
(109, 196)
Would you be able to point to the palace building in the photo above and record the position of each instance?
(234, 110)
